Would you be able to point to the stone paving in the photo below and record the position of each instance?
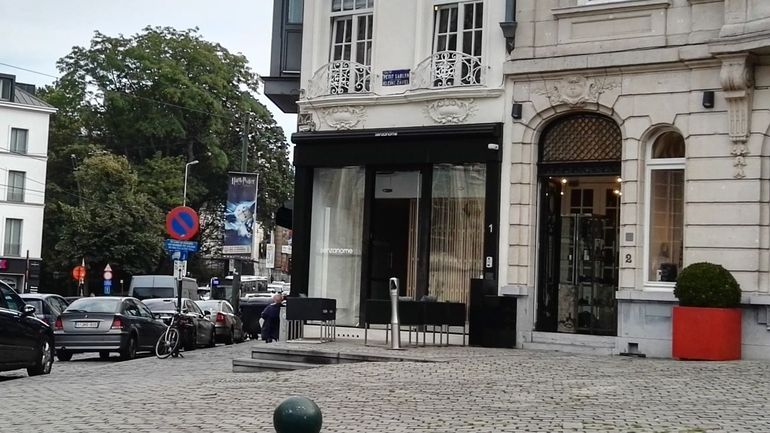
(468, 390)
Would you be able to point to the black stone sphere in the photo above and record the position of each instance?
(297, 415)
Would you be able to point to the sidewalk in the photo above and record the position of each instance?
(467, 390)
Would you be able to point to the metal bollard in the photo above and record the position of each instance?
(395, 328)
(297, 415)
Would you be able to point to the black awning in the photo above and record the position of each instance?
(284, 214)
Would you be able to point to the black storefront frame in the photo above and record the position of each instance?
(416, 148)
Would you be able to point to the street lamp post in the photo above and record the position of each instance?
(186, 168)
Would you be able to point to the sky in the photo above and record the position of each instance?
(36, 33)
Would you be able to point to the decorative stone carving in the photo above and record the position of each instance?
(737, 78)
(305, 122)
(451, 110)
(576, 90)
(344, 117)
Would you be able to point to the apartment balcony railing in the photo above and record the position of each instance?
(340, 77)
(448, 69)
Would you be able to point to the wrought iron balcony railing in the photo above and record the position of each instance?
(448, 69)
(340, 77)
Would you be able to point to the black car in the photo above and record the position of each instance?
(106, 324)
(48, 306)
(195, 328)
(25, 341)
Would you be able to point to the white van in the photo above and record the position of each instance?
(161, 286)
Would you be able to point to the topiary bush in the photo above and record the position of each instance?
(707, 285)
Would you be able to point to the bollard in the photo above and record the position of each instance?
(297, 415)
(395, 328)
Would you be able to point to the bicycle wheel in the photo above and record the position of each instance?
(167, 344)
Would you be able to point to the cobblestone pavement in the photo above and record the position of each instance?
(468, 390)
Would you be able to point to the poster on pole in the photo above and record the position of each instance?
(240, 215)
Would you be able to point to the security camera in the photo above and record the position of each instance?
(493, 146)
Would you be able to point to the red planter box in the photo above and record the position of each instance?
(706, 334)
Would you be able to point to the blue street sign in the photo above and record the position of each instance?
(107, 286)
(172, 245)
(214, 282)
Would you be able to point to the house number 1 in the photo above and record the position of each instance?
(628, 258)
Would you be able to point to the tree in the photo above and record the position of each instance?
(159, 98)
(115, 223)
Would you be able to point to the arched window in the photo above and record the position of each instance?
(665, 209)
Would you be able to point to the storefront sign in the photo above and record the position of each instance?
(240, 215)
(396, 77)
(270, 256)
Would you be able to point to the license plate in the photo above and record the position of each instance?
(86, 324)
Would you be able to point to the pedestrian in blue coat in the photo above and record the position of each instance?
(272, 319)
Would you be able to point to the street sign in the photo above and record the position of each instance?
(180, 269)
(172, 245)
(214, 282)
(182, 223)
(107, 286)
(107, 272)
(79, 272)
(270, 256)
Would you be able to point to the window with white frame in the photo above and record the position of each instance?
(665, 206)
(16, 181)
(351, 46)
(457, 43)
(12, 244)
(6, 84)
(19, 140)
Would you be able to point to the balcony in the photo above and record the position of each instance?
(448, 69)
(340, 77)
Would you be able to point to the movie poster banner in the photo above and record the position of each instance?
(240, 215)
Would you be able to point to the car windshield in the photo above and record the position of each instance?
(153, 292)
(210, 305)
(94, 305)
(37, 303)
(157, 305)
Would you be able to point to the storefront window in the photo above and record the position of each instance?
(335, 239)
(666, 208)
(457, 230)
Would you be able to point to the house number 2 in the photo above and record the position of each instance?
(628, 258)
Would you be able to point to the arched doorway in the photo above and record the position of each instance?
(579, 209)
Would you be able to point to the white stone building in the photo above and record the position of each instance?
(23, 155)
(572, 154)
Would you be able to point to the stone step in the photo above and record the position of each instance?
(569, 348)
(307, 356)
(262, 365)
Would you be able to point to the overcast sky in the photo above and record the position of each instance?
(36, 33)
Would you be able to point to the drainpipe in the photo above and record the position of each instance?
(509, 25)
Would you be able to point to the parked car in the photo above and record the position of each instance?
(106, 324)
(48, 306)
(229, 327)
(161, 286)
(25, 341)
(196, 329)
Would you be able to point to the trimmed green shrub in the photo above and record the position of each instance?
(707, 285)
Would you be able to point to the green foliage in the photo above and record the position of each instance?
(157, 99)
(707, 285)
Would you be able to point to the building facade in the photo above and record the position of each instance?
(23, 156)
(574, 154)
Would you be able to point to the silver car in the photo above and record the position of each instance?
(106, 324)
(229, 327)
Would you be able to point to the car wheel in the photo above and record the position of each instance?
(213, 339)
(129, 352)
(63, 355)
(192, 342)
(44, 359)
(104, 355)
(230, 337)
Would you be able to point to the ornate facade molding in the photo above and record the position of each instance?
(576, 90)
(305, 122)
(344, 117)
(451, 110)
(737, 78)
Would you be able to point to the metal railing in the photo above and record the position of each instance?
(448, 69)
(340, 77)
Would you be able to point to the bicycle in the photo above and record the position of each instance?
(169, 342)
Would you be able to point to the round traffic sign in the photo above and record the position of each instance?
(107, 275)
(79, 272)
(182, 223)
